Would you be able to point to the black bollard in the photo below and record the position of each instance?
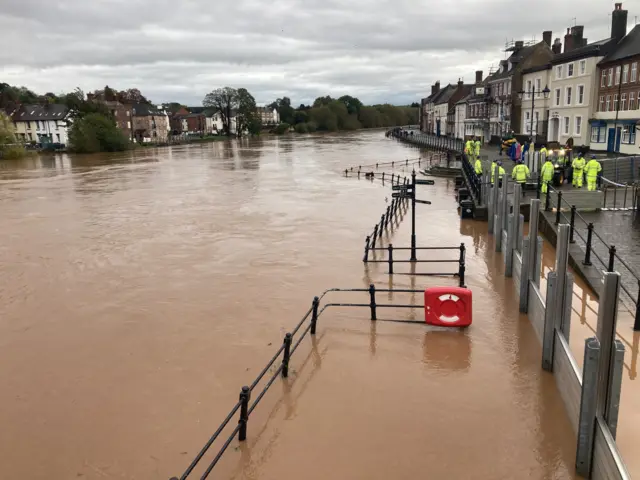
(314, 314)
(559, 207)
(390, 248)
(382, 177)
(587, 253)
(381, 225)
(461, 270)
(365, 259)
(372, 304)
(375, 235)
(286, 355)
(547, 202)
(245, 395)
(573, 224)
(612, 257)
(346, 172)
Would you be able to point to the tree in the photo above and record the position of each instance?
(300, 116)
(9, 147)
(96, 133)
(320, 101)
(285, 110)
(353, 104)
(79, 106)
(131, 96)
(324, 118)
(247, 118)
(223, 101)
(415, 105)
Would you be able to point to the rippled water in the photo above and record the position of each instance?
(139, 291)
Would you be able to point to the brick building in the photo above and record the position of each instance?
(149, 123)
(618, 99)
(122, 115)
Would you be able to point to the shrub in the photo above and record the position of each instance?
(96, 133)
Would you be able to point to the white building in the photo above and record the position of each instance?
(269, 116)
(535, 107)
(460, 116)
(42, 123)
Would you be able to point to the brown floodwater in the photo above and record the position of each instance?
(140, 291)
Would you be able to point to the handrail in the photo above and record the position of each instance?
(243, 403)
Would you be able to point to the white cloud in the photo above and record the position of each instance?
(378, 50)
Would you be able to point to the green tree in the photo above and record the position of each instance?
(285, 110)
(300, 116)
(95, 132)
(80, 107)
(9, 145)
(324, 118)
(223, 101)
(247, 118)
(320, 101)
(353, 104)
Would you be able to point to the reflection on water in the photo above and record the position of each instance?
(141, 290)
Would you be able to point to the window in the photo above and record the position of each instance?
(559, 71)
(615, 105)
(557, 97)
(578, 124)
(528, 86)
(567, 124)
(583, 67)
(508, 84)
(29, 125)
(631, 101)
(603, 80)
(618, 75)
(610, 79)
(538, 89)
(527, 122)
(601, 104)
(597, 134)
(580, 94)
(625, 73)
(634, 71)
(567, 97)
(629, 134)
(623, 102)
(58, 137)
(608, 108)
(570, 70)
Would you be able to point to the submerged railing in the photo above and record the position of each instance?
(244, 407)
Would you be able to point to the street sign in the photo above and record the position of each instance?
(401, 195)
(425, 182)
(426, 202)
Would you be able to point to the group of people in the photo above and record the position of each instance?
(521, 174)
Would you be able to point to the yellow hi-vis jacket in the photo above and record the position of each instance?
(501, 171)
(467, 147)
(478, 167)
(593, 168)
(547, 171)
(578, 164)
(520, 173)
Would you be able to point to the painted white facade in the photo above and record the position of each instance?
(268, 116)
(440, 112)
(535, 81)
(56, 131)
(626, 125)
(500, 108)
(572, 100)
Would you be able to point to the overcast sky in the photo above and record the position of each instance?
(178, 50)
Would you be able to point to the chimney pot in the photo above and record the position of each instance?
(546, 37)
(519, 44)
(478, 76)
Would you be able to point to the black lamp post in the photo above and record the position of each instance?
(532, 93)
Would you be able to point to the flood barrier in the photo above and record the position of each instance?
(591, 397)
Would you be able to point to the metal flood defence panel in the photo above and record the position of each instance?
(607, 464)
(568, 379)
(536, 310)
(517, 270)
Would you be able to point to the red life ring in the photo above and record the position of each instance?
(447, 306)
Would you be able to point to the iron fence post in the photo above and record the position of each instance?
(587, 253)
(286, 355)
(612, 257)
(390, 248)
(558, 207)
(245, 395)
(547, 201)
(346, 172)
(382, 176)
(375, 235)
(372, 305)
(636, 324)
(365, 259)
(573, 224)
(314, 314)
(381, 225)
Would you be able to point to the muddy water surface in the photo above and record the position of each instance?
(139, 291)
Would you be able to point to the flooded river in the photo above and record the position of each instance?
(140, 291)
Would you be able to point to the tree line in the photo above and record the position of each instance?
(345, 113)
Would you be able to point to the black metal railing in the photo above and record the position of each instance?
(243, 408)
(473, 180)
(628, 195)
(578, 223)
(436, 142)
(391, 260)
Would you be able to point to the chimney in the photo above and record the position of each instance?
(568, 41)
(519, 45)
(546, 37)
(618, 22)
(578, 33)
(460, 83)
(557, 46)
(478, 77)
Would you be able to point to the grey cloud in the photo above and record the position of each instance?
(378, 50)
